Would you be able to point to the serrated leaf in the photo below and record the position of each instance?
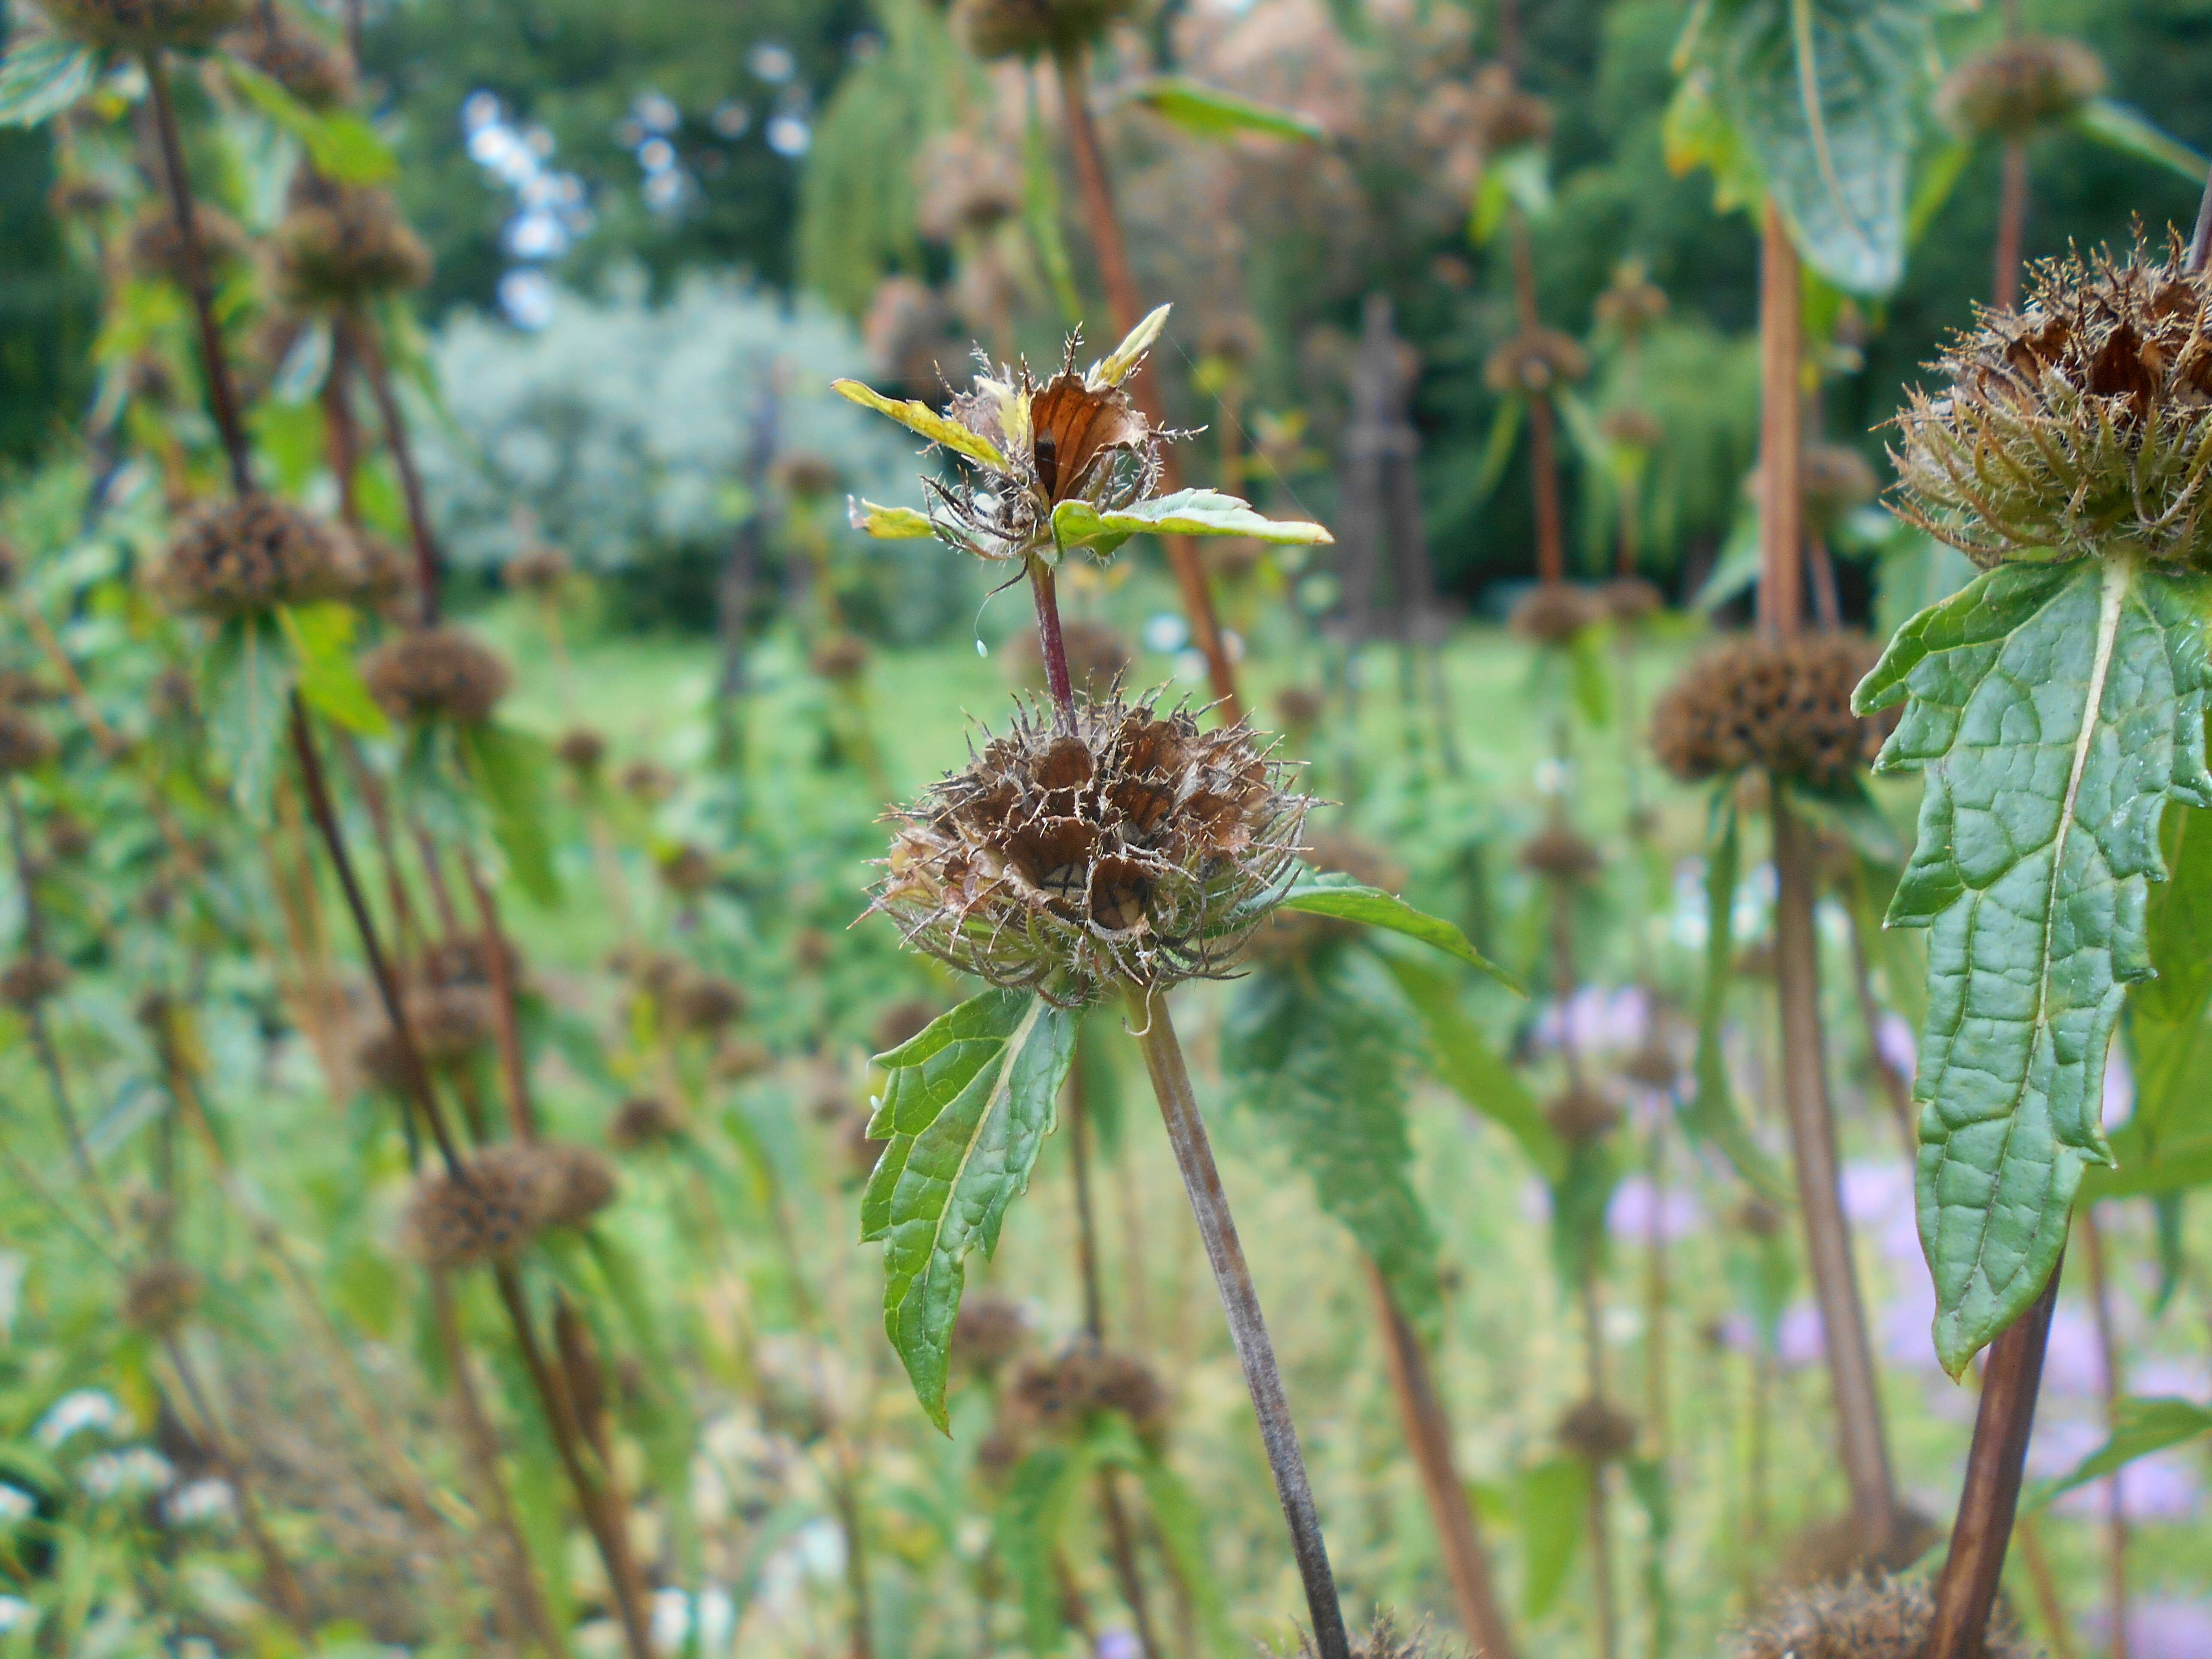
(2118, 127)
(511, 767)
(2140, 1427)
(1122, 362)
(887, 524)
(1319, 1054)
(1710, 1113)
(1209, 113)
(924, 421)
(2055, 709)
(344, 147)
(968, 1103)
(321, 637)
(1077, 524)
(1553, 1510)
(1326, 893)
(248, 699)
(1464, 1060)
(42, 75)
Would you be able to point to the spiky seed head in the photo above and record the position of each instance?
(344, 244)
(988, 1332)
(1097, 657)
(250, 554)
(1782, 706)
(80, 196)
(840, 657)
(468, 959)
(301, 59)
(2019, 86)
(582, 749)
(136, 26)
(644, 1120)
(440, 673)
(490, 1216)
(686, 871)
(537, 568)
(1579, 1114)
(806, 475)
(31, 980)
(1559, 853)
(157, 252)
(1029, 29)
(579, 1182)
(69, 837)
(450, 1024)
(1632, 427)
(738, 1059)
(1633, 304)
(1553, 613)
(1861, 1619)
(159, 1295)
(1760, 1217)
(904, 1020)
(1653, 1063)
(969, 186)
(1837, 482)
(25, 743)
(1597, 1431)
(1501, 117)
(703, 1004)
(1630, 599)
(2079, 424)
(1133, 849)
(1536, 363)
(1383, 1640)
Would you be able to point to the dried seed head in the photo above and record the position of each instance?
(644, 1120)
(301, 59)
(1300, 707)
(1558, 852)
(856, 1148)
(80, 196)
(1632, 427)
(1784, 706)
(2018, 86)
(686, 871)
(1501, 117)
(969, 186)
(157, 253)
(1882, 1618)
(491, 1215)
(1633, 304)
(1759, 1218)
(136, 26)
(1828, 1551)
(805, 475)
(69, 837)
(1579, 1114)
(1134, 848)
(1289, 936)
(1837, 482)
(1060, 1394)
(738, 1059)
(537, 569)
(989, 1331)
(1536, 363)
(2075, 424)
(436, 673)
(378, 575)
(29, 980)
(467, 959)
(450, 1025)
(159, 1295)
(703, 1004)
(1097, 657)
(1553, 613)
(343, 244)
(1597, 1431)
(839, 657)
(1381, 1641)
(579, 1182)
(249, 555)
(1653, 1064)
(24, 745)
(1028, 29)
(647, 783)
(902, 1021)
(582, 749)
(1630, 599)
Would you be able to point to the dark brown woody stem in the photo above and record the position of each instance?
(1248, 1330)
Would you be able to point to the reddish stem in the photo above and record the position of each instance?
(428, 560)
(1043, 586)
(1543, 447)
(1781, 438)
(2012, 225)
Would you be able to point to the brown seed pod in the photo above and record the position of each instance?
(468, 959)
(537, 569)
(1579, 1114)
(250, 554)
(1654, 1063)
(1632, 427)
(805, 475)
(492, 1215)
(902, 1020)
(436, 673)
(969, 186)
(29, 980)
(450, 1025)
(1501, 117)
(1837, 482)
(739, 1058)
(344, 244)
(1760, 1219)
(988, 1331)
(159, 1296)
(1597, 1431)
(1879, 1618)
(306, 63)
(1630, 599)
(644, 1120)
(580, 1182)
(839, 657)
(704, 1004)
(380, 575)
(1028, 29)
(2074, 425)
(1633, 304)
(1536, 363)
(136, 25)
(1784, 706)
(1828, 1551)
(157, 253)
(1134, 848)
(581, 749)
(1097, 657)
(1559, 853)
(2019, 86)
(686, 871)
(1553, 613)
(24, 745)
(80, 196)
(69, 837)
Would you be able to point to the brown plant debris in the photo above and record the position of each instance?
(252, 554)
(305, 62)
(1862, 1619)
(989, 1331)
(1558, 851)
(1383, 1640)
(1028, 29)
(450, 1024)
(436, 673)
(839, 657)
(644, 1120)
(159, 1296)
(1060, 1394)
(509, 1193)
(2019, 86)
(1554, 613)
(1782, 706)
(377, 574)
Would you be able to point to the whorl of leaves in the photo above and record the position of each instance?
(253, 554)
(1880, 1619)
(1597, 1431)
(1559, 853)
(436, 673)
(1782, 705)
(136, 26)
(2018, 86)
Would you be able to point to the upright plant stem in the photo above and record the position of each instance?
(1543, 446)
(522, 1115)
(1781, 435)
(1248, 1330)
(378, 373)
(1602, 1600)
(1967, 1589)
(2108, 1352)
(2012, 225)
(1054, 647)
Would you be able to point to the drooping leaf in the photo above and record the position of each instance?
(1209, 113)
(1181, 1526)
(249, 690)
(1464, 1060)
(321, 637)
(1710, 1113)
(2055, 709)
(920, 418)
(2140, 1427)
(2118, 127)
(1326, 893)
(1319, 1051)
(1938, 176)
(1040, 1494)
(344, 147)
(1554, 1510)
(511, 767)
(42, 75)
(888, 524)
(968, 1103)
(1695, 133)
(1117, 365)
(1077, 524)
(2169, 1217)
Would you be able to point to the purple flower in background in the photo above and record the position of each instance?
(1597, 1020)
(2119, 1088)
(1535, 1201)
(1906, 1318)
(1637, 1206)
(2159, 1630)
(1894, 1043)
(1875, 1189)
(2074, 1365)
(2162, 1376)
(1797, 1342)
(1117, 1644)
(2164, 1486)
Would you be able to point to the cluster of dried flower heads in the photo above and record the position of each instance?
(1784, 706)
(502, 1197)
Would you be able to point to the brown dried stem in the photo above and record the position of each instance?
(1050, 644)
(2012, 225)
(2108, 1353)
(378, 373)
(1543, 446)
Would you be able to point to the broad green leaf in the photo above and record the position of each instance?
(1211, 112)
(1465, 1061)
(321, 636)
(511, 767)
(1077, 524)
(1318, 1050)
(2055, 709)
(344, 147)
(1181, 1526)
(1034, 1515)
(249, 691)
(1938, 176)
(42, 75)
(888, 524)
(2118, 127)
(2140, 1427)
(920, 419)
(1711, 1112)
(1554, 1510)
(967, 1104)
(1694, 133)
(1122, 362)
(2168, 1034)
(1326, 893)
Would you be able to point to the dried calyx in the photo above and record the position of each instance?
(1061, 1393)
(2019, 86)
(839, 657)
(1579, 1114)
(159, 1295)
(1837, 482)
(2079, 423)
(1127, 847)
(507, 1195)
(1879, 1618)
(1030, 28)
(434, 674)
(341, 244)
(1784, 706)
(143, 24)
(1559, 853)
(989, 1331)
(251, 555)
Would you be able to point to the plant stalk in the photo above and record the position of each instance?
(1781, 434)
(515, 1068)
(1247, 1329)
(2108, 1352)
(1543, 446)
(428, 561)
(2012, 226)
(1044, 588)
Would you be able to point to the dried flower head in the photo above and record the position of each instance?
(1558, 852)
(703, 1004)
(1061, 1393)
(159, 1295)
(686, 870)
(436, 673)
(579, 1181)
(581, 749)
(450, 1026)
(2018, 86)
(989, 1331)
(1134, 848)
(80, 196)
(1630, 599)
(1829, 1551)
(1501, 117)
(1836, 482)
(157, 252)
(1097, 657)
(1862, 1619)
(2079, 424)
(25, 743)
(306, 63)
(1579, 1114)
(378, 575)
(840, 657)
(644, 1120)
(1633, 304)
(1654, 1063)
(1784, 706)
(1300, 707)
(467, 959)
(1553, 613)
(969, 186)
(806, 475)
(1597, 1431)
(31, 980)
(491, 1214)
(1632, 427)
(134, 26)
(537, 568)
(646, 782)
(1028, 29)
(1536, 363)
(344, 243)
(249, 555)
(1760, 1217)
(69, 837)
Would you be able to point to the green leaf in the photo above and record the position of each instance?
(1465, 1062)
(2140, 1427)
(1209, 113)
(968, 1103)
(249, 690)
(1181, 1526)
(1077, 524)
(1711, 1113)
(1040, 1494)
(42, 75)
(1119, 364)
(1554, 1509)
(1318, 1051)
(920, 418)
(511, 767)
(1326, 893)
(888, 524)
(1938, 176)
(1695, 133)
(2055, 709)
(321, 637)
(344, 147)
(2118, 127)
